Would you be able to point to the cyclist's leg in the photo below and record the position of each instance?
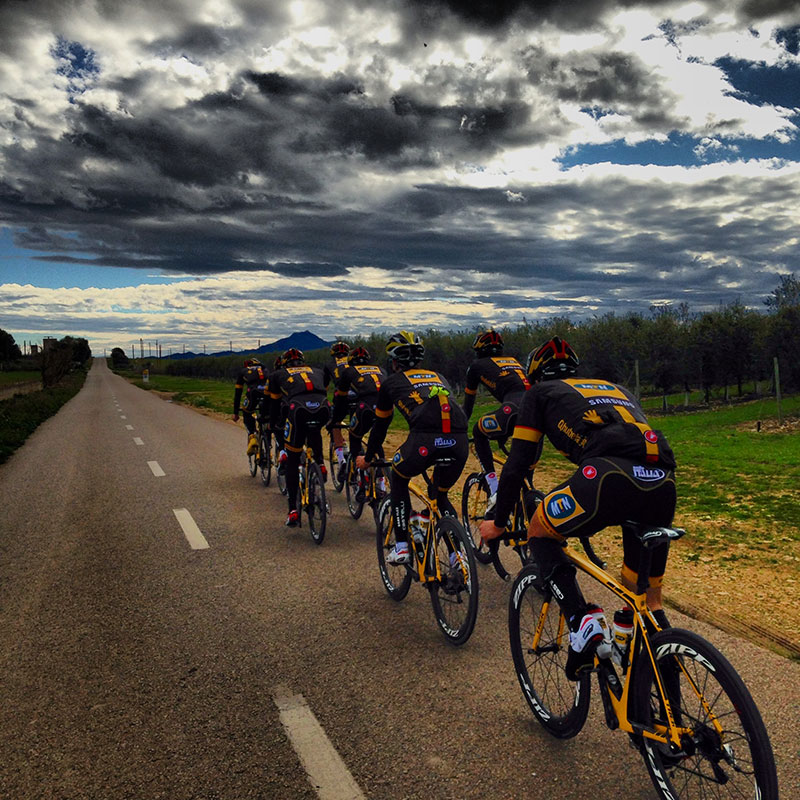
(295, 437)
(445, 477)
(411, 458)
(497, 425)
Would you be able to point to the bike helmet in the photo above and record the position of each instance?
(293, 358)
(405, 348)
(340, 348)
(358, 355)
(252, 362)
(554, 359)
(488, 343)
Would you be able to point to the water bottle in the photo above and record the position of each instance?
(622, 630)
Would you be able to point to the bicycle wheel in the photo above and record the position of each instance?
(352, 479)
(396, 578)
(317, 507)
(539, 640)
(455, 596)
(333, 463)
(252, 463)
(474, 499)
(280, 472)
(265, 459)
(728, 753)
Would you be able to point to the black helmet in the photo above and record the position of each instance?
(405, 348)
(250, 361)
(358, 355)
(554, 359)
(340, 348)
(293, 358)
(488, 343)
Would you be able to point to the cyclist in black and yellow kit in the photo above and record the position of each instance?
(297, 390)
(357, 389)
(437, 427)
(625, 472)
(332, 371)
(254, 377)
(505, 379)
(277, 431)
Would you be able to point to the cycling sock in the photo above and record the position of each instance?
(492, 481)
(559, 573)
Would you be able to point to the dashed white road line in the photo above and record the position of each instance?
(137, 440)
(190, 530)
(156, 469)
(123, 417)
(324, 767)
(129, 427)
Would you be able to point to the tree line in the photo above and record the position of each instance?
(63, 356)
(671, 348)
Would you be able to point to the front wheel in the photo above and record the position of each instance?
(455, 595)
(474, 499)
(316, 508)
(252, 463)
(539, 641)
(727, 753)
(396, 578)
(264, 459)
(353, 489)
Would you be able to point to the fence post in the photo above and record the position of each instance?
(778, 389)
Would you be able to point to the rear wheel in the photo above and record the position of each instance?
(539, 640)
(252, 463)
(455, 596)
(265, 459)
(280, 470)
(396, 578)
(474, 499)
(352, 480)
(317, 508)
(728, 752)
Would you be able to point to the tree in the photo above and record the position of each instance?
(786, 295)
(9, 349)
(119, 359)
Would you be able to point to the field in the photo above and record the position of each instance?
(738, 473)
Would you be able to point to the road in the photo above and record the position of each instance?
(138, 663)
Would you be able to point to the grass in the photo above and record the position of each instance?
(19, 376)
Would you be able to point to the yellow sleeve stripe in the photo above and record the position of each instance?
(470, 391)
(527, 434)
(379, 412)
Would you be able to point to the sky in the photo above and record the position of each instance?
(199, 172)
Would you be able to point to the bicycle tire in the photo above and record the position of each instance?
(265, 459)
(396, 579)
(735, 762)
(354, 506)
(334, 465)
(252, 463)
(455, 617)
(280, 472)
(474, 499)
(560, 705)
(380, 494)
(317, 508)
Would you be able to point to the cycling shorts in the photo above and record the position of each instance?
(421, 450)
(499, 424)
(363, 418)
(302, 414)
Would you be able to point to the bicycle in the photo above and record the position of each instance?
(474, 501)
(264, 451)
(679, 699)
(254, 459)
(311, 496)
(333, 461)
(366, 487)
(280, 470)
(453, 585)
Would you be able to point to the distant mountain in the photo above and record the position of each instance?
(302, 340)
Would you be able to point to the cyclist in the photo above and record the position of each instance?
(331, 374)
(277, 431)
(437, 427)
(505, 379)
(253, 376)
(625, 472)
(357, 392)
(297, 391)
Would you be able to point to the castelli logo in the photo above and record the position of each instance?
(589, 472)
(291, 406)
(423, 451)
(651, 436)
(445, 408)
(506, 409)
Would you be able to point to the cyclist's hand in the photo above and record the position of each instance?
(362, 462)
(235, 417)
(489, 530)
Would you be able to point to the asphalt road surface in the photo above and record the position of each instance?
(214, 653)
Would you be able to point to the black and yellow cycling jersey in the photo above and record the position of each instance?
(503, 377)
(332, 371)
(356, 382)
(425, 400)
(254, 379)
(288, 382)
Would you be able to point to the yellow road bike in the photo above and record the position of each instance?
(683, 705)
(443, 560)
(311, 498)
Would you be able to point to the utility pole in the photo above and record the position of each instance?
(141, 348)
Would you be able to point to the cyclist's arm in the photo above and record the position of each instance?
(340, 403)
(237, 397)
(274, 396)
(384, 410)
(526, 449)
(470, 391)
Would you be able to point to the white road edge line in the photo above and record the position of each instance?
(156, 469)
(137, 440)
(190, 529)
(324, 767)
